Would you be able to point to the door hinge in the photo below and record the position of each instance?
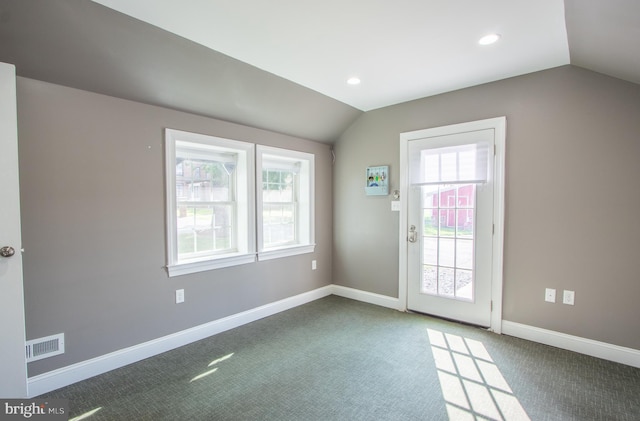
(491, 305)
(493, 229)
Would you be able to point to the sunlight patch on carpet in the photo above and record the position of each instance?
(472, 384)
(86, 414)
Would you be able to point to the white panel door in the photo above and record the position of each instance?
(13, 369)
(452, 268)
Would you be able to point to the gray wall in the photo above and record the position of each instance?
(85, 45)
(572, 197)
(92, 195)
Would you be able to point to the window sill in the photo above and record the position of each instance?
(277, 253)
(209, 264)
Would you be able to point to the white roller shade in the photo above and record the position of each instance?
(459, 164)
(199, 151)
(272, 162)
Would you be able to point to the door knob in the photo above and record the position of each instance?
(413, 235)
(7, 251)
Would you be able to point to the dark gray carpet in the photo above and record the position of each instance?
(338, 359)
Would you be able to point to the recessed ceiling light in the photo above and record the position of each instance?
(353, 81)
(489, 39)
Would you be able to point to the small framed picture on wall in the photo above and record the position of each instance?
(377, 180)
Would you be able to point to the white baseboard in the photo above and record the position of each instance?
(65, 376)
(606, 351)
(367, 297)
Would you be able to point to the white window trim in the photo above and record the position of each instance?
(245, 199)
(224, 261)
(308, 223)
(286, 251)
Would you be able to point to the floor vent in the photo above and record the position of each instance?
(49, 346)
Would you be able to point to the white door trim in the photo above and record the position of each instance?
(13, 383)
(499, 124)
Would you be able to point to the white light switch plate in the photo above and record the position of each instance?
(550, 295)
(568, 297)
(395, 205)
(179, 296)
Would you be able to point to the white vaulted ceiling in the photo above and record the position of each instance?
(401, 50)
(282, 65)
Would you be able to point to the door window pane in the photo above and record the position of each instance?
(448, 240)
(430, 247)
(464, 284)
(447, 196)
(447, 222)
(446, 281)
(430, 221)
(430, 196)
(446, 252)
(465, 223)
(464, 254)
(429, 279)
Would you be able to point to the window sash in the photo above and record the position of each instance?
(232, 244)
(300, 165)
(268, 227)
(238, 246)
(196, 179)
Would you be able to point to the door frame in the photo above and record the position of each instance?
(499, 125)
(12, 332)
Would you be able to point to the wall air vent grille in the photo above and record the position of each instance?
(49, 346)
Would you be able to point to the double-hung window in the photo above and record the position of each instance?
(285, 202)
(213, 217)
(210, 205)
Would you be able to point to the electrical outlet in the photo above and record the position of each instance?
(550, 295)
(179, 296)
(568, 297)
(314, 265)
